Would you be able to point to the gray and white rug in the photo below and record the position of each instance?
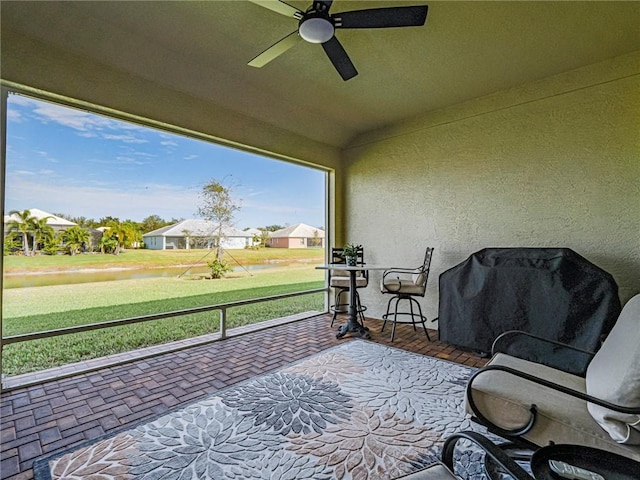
(356, 411)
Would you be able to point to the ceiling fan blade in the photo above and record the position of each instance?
(275, 50)
(338, 56)
(280, 7)
(382, 17)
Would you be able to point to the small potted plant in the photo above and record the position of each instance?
(351, 253)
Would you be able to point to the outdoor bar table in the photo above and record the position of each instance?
(352, 325)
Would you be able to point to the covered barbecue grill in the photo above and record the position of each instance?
(551, 292)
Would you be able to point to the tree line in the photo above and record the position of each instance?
(30, 235)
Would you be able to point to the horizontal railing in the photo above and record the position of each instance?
(156, 316)
(221, 307)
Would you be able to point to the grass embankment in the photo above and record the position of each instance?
(14, 264)
(44, 308)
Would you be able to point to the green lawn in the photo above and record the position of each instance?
(44, 308)
(156, 258)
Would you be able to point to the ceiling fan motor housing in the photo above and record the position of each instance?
(316, 26)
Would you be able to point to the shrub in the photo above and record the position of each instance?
(219, 268)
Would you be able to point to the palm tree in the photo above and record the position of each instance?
(24, 224)
(123, 234)
(132, 235)
(107, 244)
(116, 232)
(52, 242)
(75, 237)
(41, 231)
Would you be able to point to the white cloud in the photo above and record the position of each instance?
(86, 124)
(168, 201)
(144, 154)
(250, 192)
(69, 117)
(118, 160)
(136, 202)
(124, 138)
(17, 99)
(14, 116)
(129, 160)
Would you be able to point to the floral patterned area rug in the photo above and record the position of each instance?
(355, 411)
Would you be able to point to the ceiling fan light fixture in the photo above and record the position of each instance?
(316, 30)
(317, 25)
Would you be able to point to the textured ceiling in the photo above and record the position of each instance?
(465, 50)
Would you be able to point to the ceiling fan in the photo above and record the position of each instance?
(317, 25)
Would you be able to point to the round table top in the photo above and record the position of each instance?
(344, 266)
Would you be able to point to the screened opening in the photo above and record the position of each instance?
(106, 220)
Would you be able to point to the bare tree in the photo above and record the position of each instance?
(219, 207)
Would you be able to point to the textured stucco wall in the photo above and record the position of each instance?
(555, 163)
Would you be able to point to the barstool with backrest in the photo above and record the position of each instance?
(339, 280)
(405, 284)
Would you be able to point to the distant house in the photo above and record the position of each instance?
(55, 222)
(297, 236)
(255, 233)
(194, 233)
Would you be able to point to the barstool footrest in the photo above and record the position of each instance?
(415, 318)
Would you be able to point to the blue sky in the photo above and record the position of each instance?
(63, 160)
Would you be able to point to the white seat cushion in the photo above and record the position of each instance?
(419, 277)
(406, 286)
(614, 376)
(343, 282)
(505, 400)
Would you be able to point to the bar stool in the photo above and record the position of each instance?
(405, 284)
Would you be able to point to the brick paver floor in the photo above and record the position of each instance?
(43, 419)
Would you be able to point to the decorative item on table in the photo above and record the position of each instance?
(351, 253)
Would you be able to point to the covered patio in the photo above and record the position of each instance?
(60, 414)
(497, 124)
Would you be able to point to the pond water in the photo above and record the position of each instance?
(88, 276)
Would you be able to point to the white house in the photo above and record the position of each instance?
(195, 233)
(55, 222)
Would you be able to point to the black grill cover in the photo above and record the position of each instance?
(551, 292)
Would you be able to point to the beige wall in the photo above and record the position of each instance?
(555, 163)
